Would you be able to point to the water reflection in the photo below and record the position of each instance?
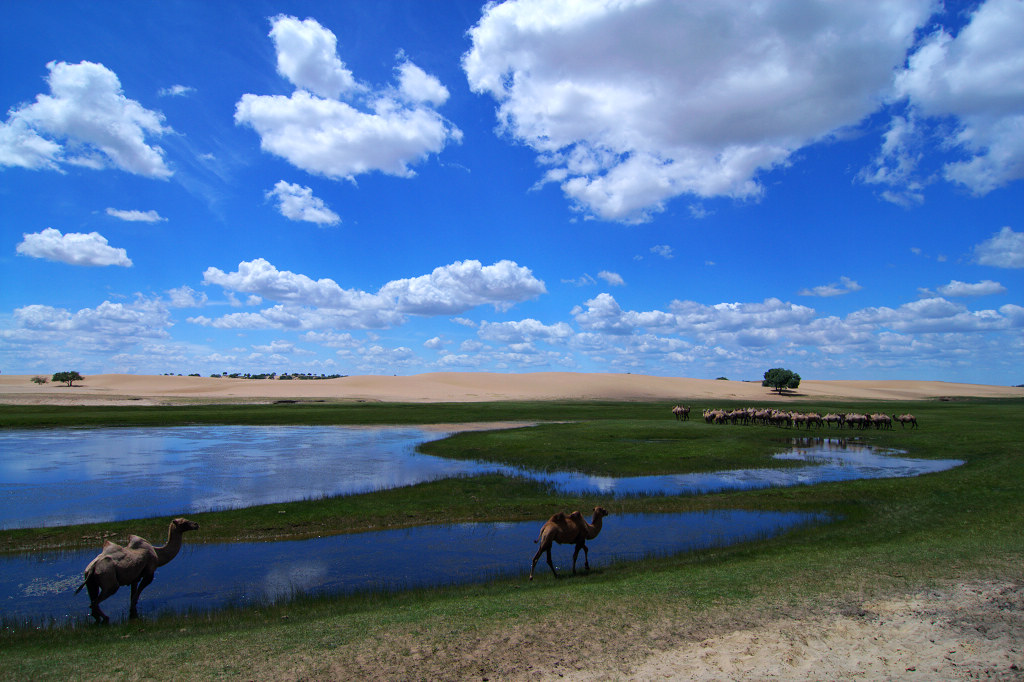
(68, 476)
(40, 588)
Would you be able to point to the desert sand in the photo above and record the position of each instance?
(466, 387)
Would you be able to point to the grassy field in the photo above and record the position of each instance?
(896, 534)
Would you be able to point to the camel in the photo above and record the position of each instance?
(681, 412)
(833, 418)
(905, 419)
(134, 564)
(567, 530)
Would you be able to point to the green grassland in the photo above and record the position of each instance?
(892, 534)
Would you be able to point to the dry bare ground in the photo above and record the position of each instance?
(969, 631)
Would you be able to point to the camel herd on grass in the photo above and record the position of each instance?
(789, 418)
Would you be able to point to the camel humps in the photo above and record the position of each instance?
(134, 564)
(571, 529)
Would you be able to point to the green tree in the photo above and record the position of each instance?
(68, 377)
(779, 379)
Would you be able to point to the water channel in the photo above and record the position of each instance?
(67, 476)
(39, 589)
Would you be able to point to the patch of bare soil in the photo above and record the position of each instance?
(969, 632)
(964, 632)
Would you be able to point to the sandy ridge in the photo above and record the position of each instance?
(465, 387)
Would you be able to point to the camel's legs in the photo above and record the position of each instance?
(96, 595)
(551, 563)
(137, 588)
(586, 557)
(536, 557)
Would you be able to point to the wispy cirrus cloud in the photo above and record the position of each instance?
(135, 216)
(176, 91)
(845, 285)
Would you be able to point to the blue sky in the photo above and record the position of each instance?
(695, 189)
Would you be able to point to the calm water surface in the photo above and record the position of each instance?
(65, 476)
(40, 588)
(68, 476)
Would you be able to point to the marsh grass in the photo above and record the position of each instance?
(891, 534)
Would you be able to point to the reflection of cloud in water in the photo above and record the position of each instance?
(65, 476)
(294, 577)
(50, 585)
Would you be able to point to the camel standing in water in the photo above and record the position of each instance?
(134, 564)
(568, 530)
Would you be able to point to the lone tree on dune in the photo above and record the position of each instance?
(68, 377)
(780, 379)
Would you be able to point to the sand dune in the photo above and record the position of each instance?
(465, 387)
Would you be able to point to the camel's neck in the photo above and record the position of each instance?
(594, 527)
(170, 550)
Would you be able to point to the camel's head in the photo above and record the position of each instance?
(183, 525)
(600, 512)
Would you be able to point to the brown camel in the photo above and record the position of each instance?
(905, 419)
(568, 530)
(682, 412)
(135, 564)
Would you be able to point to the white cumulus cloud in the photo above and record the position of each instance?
(108, 324)
(984, 288)
(635, 102)
(73, 248)
(455, 288)
(306, 303)
(85, 120)
(186, 297)
(977, 77)
(314, 129)
(298, 203)
(1005, 249)
(417, 85)
(307, 56)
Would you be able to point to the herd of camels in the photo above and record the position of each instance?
(752, 415)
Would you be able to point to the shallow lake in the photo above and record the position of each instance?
(69, 476)
(39, 588)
